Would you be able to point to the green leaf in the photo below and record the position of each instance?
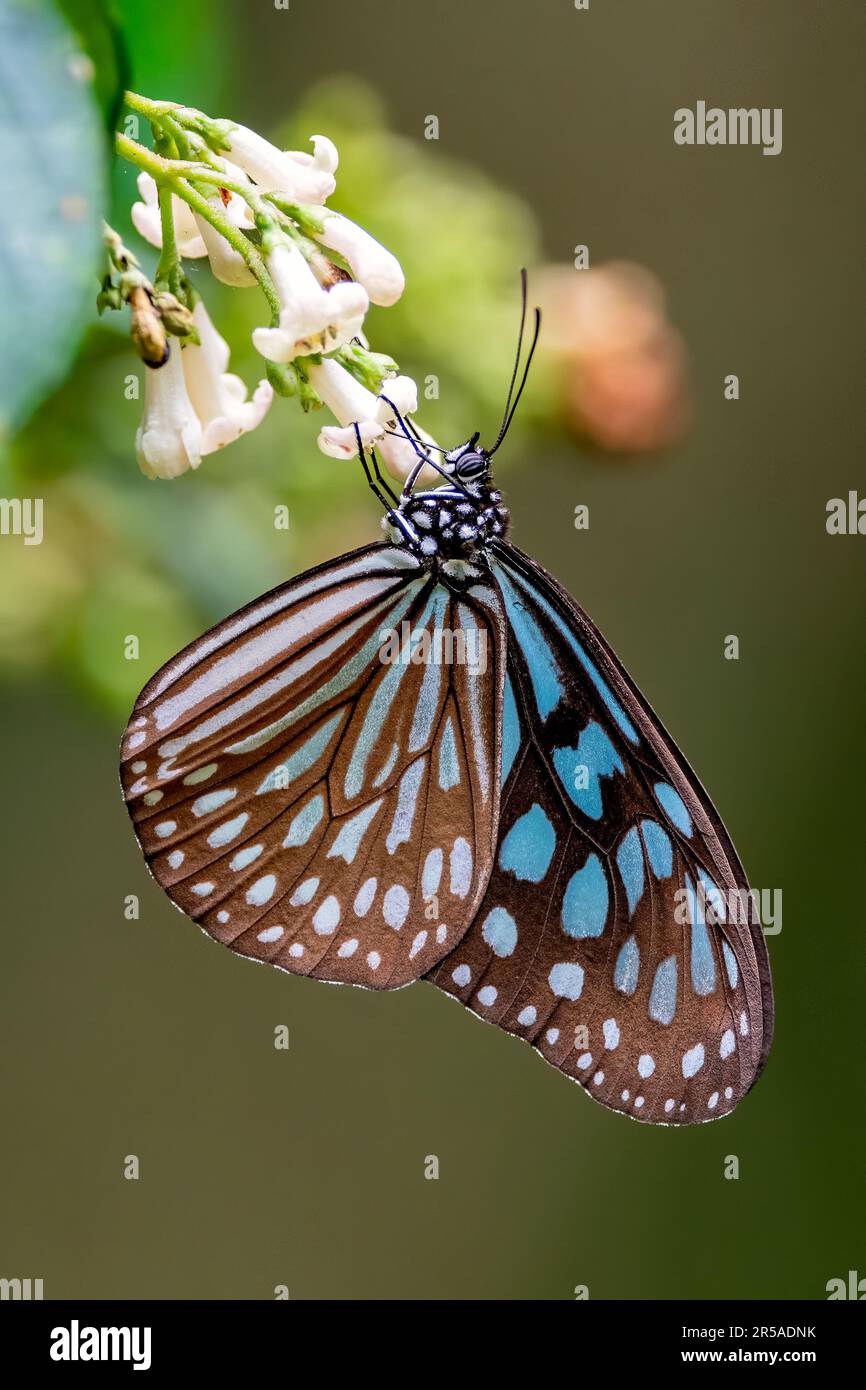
(53, 197)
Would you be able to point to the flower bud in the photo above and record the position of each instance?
(148, 331)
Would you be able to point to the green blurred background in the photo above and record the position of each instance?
(306, 1168)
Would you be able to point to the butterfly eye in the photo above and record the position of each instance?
(471, 468)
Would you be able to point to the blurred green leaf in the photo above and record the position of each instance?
(54, 187)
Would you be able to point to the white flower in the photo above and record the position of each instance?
(212, 342)
(376, 419)
(398, 393)
(349, 401)
(194, 234)
(146, 220)
(218, 397)
(168, 440)
(352, 403)
(227, 264)
(372, 266)
(340, 442)
(325, 156)
(400, 456)
(303, 178)
(312, 319)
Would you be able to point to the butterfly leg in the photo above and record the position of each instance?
(377, 490)
(392, 513)
(383, 482)
(421, 451)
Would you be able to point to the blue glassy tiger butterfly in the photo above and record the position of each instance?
(487, 803)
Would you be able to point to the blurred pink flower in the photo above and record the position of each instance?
(621, 364)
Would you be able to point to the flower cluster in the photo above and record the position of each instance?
(258, 214)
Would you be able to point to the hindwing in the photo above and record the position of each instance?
(617, 934)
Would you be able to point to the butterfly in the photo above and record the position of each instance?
(422, 761)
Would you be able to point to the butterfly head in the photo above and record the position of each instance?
(469, 466)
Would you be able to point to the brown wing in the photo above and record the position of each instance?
(616, 933)
(306, 791)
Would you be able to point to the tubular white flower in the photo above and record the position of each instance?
(341, 442)
(325, 156)
(372, 265)
(399, 456)
(168, 440)
(218, 397)
(301, 177)
(212, 342)
(402, 393)
(352, 404)
(146, 220)
(312, 319)
(227, 264)
(349, 401)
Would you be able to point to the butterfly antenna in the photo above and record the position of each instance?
(425, 443)
(506, 423)
(523, 299)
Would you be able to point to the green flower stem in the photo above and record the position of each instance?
(153, 110)
(214, 132)
(308, 217)
(169, 174)
(168, 270)
(178, 135)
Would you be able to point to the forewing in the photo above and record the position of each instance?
(616, 933)
(307, 792)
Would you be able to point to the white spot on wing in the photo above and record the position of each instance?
(262, 890)
(270, 934)
(245, 856)
(304, 892)
(327, 916)
(201, 774)
(211, 801)
(228, 831)
(461, 867)
(395, 906)
(365, 896)
(407, 798)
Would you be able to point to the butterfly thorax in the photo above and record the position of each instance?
(458, 518)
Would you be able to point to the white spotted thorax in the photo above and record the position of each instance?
(458, 518)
